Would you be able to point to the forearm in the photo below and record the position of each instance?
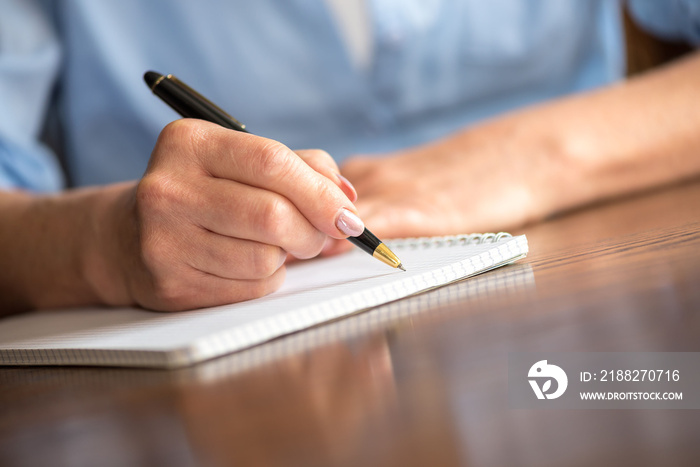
(528, 165)
(50, 249)
(638, 134)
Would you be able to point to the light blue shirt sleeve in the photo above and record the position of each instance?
(677, 20)
(29, 62)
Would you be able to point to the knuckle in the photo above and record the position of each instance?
(319, 155)
(183, 136)
(266, 285)
(314, 246)
(273, 161)
(265, 260)
(320, 160)
(327, 159)
(184, 129)
(323, 154)
(168, 294)
(155, 251)
(324, 190)
(167, 289)
(158, 192)
(272, 217)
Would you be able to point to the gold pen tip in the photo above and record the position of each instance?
(386, 256)
(400, 266)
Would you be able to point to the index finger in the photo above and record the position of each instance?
(270, 165)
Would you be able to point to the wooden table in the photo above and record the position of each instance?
(419, 382)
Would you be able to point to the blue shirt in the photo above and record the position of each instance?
(281, 67)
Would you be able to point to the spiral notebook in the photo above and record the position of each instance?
(314, 292)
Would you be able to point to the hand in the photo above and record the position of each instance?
(214, 217)
(538, 161)
(481, 180)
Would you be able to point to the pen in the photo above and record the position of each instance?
(191, 104)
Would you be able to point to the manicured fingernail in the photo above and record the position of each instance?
(347, 187)
(349, 223)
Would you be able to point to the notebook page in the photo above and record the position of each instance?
(315, 291)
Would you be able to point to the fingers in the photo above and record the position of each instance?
(323, 163)
(216, 291)
(190, 267)
(200, 289)
(232, 258)
(271, 166)
(241, 211)
(320, 161)
(390, 216)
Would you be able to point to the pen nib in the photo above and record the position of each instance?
(400, 266)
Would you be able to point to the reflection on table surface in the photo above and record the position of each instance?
(422, 381)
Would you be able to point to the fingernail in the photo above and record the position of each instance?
(347, 187)
(348, 223)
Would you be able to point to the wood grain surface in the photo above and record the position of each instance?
(422, 381)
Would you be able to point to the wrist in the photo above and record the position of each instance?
(534, 166)
(554, 161)
(109, 235)
(44, 241)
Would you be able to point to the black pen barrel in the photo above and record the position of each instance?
(188, 102)
(366, 241)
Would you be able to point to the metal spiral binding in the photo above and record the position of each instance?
(449, 240)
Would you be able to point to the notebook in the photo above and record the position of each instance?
(314, 292)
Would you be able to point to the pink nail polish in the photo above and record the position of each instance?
(347, 187)
(348, 223)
